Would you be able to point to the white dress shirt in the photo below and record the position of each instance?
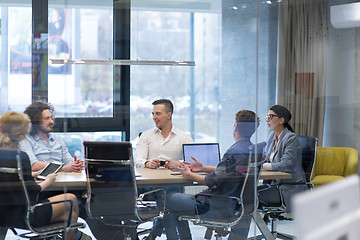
(152, 145)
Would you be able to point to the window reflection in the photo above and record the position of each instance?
(173, 35)
(85, 33)
(18, 24)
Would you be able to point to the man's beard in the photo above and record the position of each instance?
(43, 130)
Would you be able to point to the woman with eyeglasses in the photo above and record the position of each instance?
(283, 153)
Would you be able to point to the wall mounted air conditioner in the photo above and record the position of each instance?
(345, 15)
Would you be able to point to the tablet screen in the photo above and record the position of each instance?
(52, 167)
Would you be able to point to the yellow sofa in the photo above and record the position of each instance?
(334, 163)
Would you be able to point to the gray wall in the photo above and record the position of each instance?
(248, 64)
(340, 77)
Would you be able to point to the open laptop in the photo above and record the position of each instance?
(329, 212)
(206, 153)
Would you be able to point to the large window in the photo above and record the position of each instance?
(81, 33)
(94, 97)
(16, 51)
(73, 32)
(83, 95)
(249, 54)
(206, 96)
(177, 35)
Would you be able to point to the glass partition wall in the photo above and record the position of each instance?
(247, 54)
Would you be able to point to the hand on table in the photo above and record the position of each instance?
(171, 164)
(76, 166)
(155, 163)
(267, 166)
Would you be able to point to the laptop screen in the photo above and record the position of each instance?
(206, 153)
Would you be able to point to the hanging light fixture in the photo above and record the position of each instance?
(122, 62)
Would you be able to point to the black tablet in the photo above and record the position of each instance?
(52, 167)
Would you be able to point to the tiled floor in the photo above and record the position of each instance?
(197, 231)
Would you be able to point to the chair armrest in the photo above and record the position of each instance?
(220, 196)
(224, 197)
(197, 219)
(8, 170)
(141, 196)
(351, 164)
(292, 183)
(33, 207)
(308, 184)
(162, 202)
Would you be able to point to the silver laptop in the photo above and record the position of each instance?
(206, 153)
(329, 212)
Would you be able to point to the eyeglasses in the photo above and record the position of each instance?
(270, 116)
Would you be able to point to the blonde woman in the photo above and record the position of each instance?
(13, 128)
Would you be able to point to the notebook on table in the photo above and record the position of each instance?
(206, 153)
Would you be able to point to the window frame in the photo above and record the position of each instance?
(121, 96)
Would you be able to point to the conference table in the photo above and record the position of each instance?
(161, 177)
(146, 176)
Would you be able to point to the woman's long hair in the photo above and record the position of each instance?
(13, 128)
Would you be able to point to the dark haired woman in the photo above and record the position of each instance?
(283, 153)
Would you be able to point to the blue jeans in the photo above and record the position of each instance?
(158, 225)
(178, 204)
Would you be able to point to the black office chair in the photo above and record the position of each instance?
(219, 220)
(14, 194)
(276, 212)
(112, 196)
(308, 145)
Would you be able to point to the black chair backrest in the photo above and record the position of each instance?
(112, 189)
(10, 181)
(308, 145)
(108, 150)
(13, 193)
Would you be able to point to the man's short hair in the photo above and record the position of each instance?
(34, 111)
(247, 122)
(169, 107)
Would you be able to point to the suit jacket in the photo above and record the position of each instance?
(287, 158)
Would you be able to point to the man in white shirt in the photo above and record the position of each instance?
(161, 145)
